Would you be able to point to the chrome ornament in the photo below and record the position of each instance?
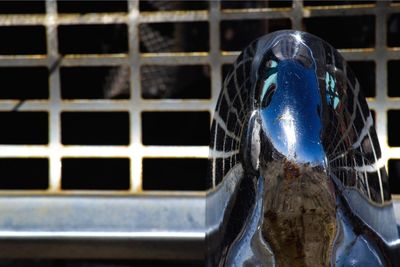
(296, 170)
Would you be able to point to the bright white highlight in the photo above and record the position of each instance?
(289, 128)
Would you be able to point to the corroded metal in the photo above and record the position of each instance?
(298, 174)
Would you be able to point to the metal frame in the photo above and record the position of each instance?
(135, 105)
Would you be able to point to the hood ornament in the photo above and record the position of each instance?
(296, 170)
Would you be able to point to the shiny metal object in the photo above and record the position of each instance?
(297, 171)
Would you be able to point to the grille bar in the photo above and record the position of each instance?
(54, 97)
(106, 227)
(187, 16)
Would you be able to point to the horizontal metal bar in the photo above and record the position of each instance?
(63, 19)
(76, 151)
(94, 60)
(146, 104)
(344, 10)
(173, 16)
(139, 227)
(353, 54)
(22, 19)
(256, 13)
(92, 18)
(188, 58)
(177, 105)
(82, 60)
(387, 103)
(104, 18)
(393, 53)
(178, 58)
(23, 60)
(190, 15)
(393, 153)
(359, 54)
(109, 105)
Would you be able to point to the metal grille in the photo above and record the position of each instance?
(219, 16)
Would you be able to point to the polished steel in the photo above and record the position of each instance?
(298, 175)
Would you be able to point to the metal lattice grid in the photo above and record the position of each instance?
(135, 151)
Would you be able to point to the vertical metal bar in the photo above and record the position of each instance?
(215, 52)
(297, 15)
(381, 75)
(214, 55)
(55, 96)
(135, 98)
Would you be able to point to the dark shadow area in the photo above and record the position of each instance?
(91, 6)
(22, 7)
(393, 68)
(98, 263)
(254, 4)
(95, 173)
(93, 39)
(237, 34)
(338, 3)
(175, 128)
(175, 82)
(394, 176)
(22, 40)
(365, 73)
(184, 174)
(24, 83)
(162, 5)
(95, 82)
(23, 128)
(393, 30)
(343, 32)
(95, 128)
(393, 117)
(174, 37)
(24, 173)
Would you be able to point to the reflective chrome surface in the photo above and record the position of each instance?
(297, 173)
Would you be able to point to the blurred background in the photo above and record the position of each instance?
(115, 97)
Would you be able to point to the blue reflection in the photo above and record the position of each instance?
(332, 96)
(291, 117)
